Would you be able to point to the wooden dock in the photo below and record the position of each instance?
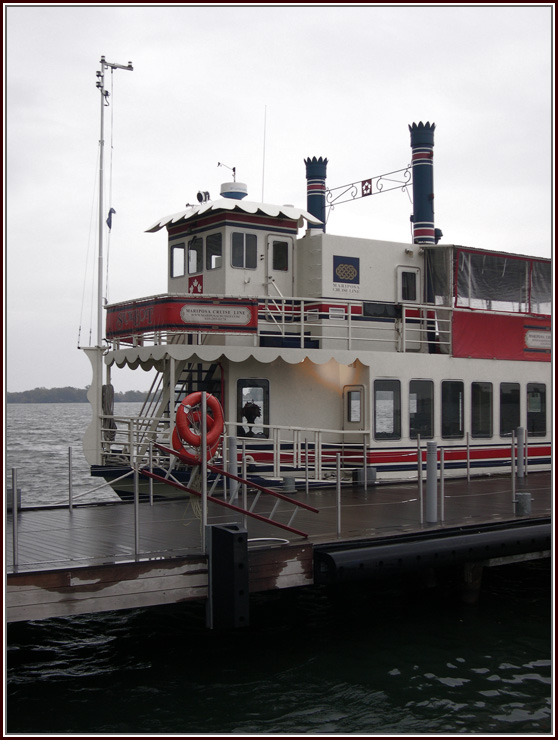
(109, 556)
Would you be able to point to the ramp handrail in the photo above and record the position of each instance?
(226, 504)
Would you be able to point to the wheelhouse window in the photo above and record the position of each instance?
(280, 257)
(195, 255)
(387, 409)
(244, 250)
(536, 409)
(421, 408)
(252, 399)
(213, 251)
(509, 408)
(178, 261)
(481, 409)
(452, 409)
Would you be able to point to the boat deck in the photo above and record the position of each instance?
(69, 554)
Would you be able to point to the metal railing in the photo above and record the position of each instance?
(322, 324)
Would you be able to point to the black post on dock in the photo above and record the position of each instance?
(228, 584)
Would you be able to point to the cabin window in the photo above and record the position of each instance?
(280, 256)
(354, 406)
(481, 409)
(421, 408)
(244, 250)
(452, 408)
(252, 407)
(509, 408)
(195, 255)
(387, 409)
(408, 284)
(213, 251)
(178, 261)
(536, 409)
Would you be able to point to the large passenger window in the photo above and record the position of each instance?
(536, 409)
(452, 409)
(387, 409)
(252, 399)
(509, 408)
(244, 251)
(421, 408)
(481, 409)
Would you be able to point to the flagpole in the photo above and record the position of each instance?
(104, 102)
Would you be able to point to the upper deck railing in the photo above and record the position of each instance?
(311, 323)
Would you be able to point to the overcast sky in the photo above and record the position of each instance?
(211, 84)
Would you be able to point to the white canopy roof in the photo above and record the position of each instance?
(229, 204)
(154, 356)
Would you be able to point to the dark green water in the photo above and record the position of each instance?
(360, 660)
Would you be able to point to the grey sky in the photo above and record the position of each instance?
(341, 82)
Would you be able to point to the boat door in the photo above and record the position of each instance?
(279, 265)
(354, 420)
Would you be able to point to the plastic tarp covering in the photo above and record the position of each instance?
(438, 276)
(228, 204)
(497, 282)
(541, 288)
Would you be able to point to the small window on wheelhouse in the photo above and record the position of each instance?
(536, 409)
(195, 255)
(178, 261)
(252, 399)
(481, 409)
(244, 250)
(387, 409)
(452, 409)
(421, 408)
(280, 256)
(213, 251)
(509, 408)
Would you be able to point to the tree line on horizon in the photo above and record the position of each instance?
(68, 395)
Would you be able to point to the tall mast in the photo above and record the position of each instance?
(104, 102)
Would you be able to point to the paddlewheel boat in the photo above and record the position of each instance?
(320, 348)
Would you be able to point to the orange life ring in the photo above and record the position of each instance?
(185, 455)
(186, 416)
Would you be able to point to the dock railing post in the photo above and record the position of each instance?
(151, 470)
(15, 514)
(306, 472)
(431, 482)
(365, 461)
(244, 486)
(419, 471)
(203, 466)
(526, 453)
(338, 456)
(520, 452)
(136, 509)
(233, 466)
(442, 473)
(513, 466)
(468, 460)
(70, 491)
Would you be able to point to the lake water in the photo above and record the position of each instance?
(362, 660)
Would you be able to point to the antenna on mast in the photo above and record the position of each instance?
(233, 169)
